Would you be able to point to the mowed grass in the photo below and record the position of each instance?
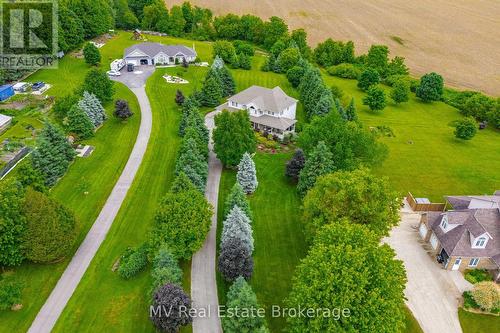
(424, 156)
(84, 189)
(277, 231)
(478, 323)
(104, 300)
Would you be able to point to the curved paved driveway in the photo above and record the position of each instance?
(53, 307)
(203, 280)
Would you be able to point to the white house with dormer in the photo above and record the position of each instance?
(270, 110)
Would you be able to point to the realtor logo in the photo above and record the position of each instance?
(28, 31)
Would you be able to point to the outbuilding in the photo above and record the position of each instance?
(6, 91)
(4, 122)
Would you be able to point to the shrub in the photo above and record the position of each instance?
(10, 294)
(400, 91)
(132, 262)
(465, 128)
(294, 75)
(337, 92)
(469, 302)
(430, 88)
(375, 99)
(122, 109)
(91, 54)
(487, 295)
(477, 275)
(346, 71)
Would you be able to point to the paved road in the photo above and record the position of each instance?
(53, 307)
(432, 293)
(203, 280)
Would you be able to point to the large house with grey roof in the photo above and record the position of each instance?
(468, 235)
(270, 110)
(158, 54)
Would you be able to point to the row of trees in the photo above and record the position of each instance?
(33, 226)
(238, 53)
(182, 222)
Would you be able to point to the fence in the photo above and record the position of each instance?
(12, 163)
(428, 207)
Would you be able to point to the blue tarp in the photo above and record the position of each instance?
(6, 91)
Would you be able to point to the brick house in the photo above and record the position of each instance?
(468, 235)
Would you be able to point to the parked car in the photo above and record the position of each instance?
(37, 85)
(113, 73)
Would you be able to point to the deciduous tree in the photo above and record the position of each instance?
(375, 99)
(400, 91)
(122, 109)
(430, 88)
(79, 124)
(465, 128)
(368, 78)
(12, 222)
(98, 83)
(295, 165)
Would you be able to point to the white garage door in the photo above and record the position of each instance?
(434, 241)
(134, 62)
(423, 230)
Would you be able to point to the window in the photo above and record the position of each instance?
(444, 222)
(473, 262)
(480, 242)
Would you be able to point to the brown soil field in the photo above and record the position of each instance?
(460, 39)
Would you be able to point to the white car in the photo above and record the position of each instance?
(113, 73)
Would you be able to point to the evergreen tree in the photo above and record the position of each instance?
(122, 109)
(295, 165)
(227, 81)
(179, 97)
(79, 123)
(241, 296)
(192, 163)
(181, 183)
(188, 107)
(351, 111)
(235, 260)
(218, 63)
(237, 226)
(244, 61)
(201, 143)
(237, 197)
(340, 109)
(165, 270)
(91, 54)
(93, 108)
(318, 163)
(375, 99)
(294, 75)
(247, 175)
(211, 92)
(53, 154)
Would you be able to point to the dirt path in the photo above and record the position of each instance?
(203, 278)
(60, 295)
(456, 38)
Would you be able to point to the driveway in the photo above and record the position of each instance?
(432, 293)
(203, 280)
(135, 79)
(69, 280)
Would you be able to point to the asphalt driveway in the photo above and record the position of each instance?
(135, 79)
(432, 293)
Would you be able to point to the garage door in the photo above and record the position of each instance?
(434, 241)
(134, 62)
(423, 230)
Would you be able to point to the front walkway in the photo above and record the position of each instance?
(432, 293)
(60, 295)
(203, 278)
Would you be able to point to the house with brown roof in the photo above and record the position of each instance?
(468, 235)
(270, 110)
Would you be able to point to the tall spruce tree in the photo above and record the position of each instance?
(237, 197)
(247, 175)
(235, 260)
(211, 92)
(53, 154)
(237, 226)
(351, 111)
(318, 163)
(91, 105)
(227, 80)
(79, 123)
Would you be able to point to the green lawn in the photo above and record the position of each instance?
(96, 175)
(478, 323)
(412, 325)
(103, 299)
(277, 230)
(424, 156)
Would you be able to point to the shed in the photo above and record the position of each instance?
(21, 86)
(6, 91)
(4, 122)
